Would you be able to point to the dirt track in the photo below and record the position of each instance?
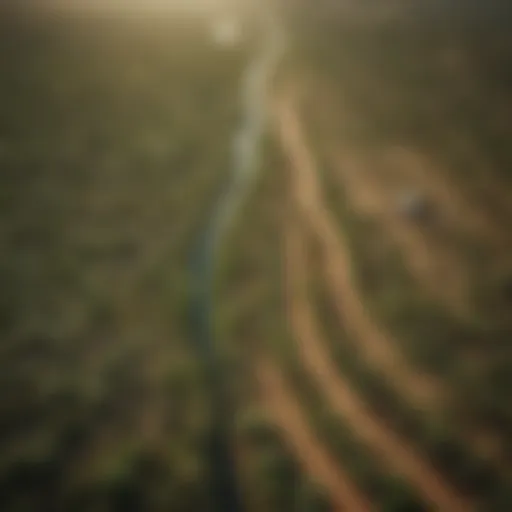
(285, 410)
(393, 451)
(436, 254)
(379, 350)
(437, 269)
(436, 265)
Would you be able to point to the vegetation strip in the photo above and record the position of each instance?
(287, 413)
(379, 350)
(384, 441)
(428, 335)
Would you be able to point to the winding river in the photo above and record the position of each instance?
(245, 151)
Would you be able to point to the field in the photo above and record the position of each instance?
(361, 301)
(114, 145)
(378, 338)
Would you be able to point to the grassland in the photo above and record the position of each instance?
(393, 335)
(114, 144)
(366, 354)
(275, 472)
(470, 241)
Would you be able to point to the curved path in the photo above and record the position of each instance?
(285, 410)
(393, 450)
(434, 267)
(246, 141)
(379, 350)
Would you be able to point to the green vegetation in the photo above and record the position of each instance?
(115, 140)
(271, 480)
(407, 83)
(434, 436)
(440, 88)
(114, 143)
(439, 85)
(252, 318)
(429, 336)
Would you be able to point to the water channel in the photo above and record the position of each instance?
(246, 144)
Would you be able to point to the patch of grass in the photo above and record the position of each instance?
(433, 435)
(247, 325)
(114, 143)
(429, 336)
(247, 300)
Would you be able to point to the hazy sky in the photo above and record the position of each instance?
(188, 5)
